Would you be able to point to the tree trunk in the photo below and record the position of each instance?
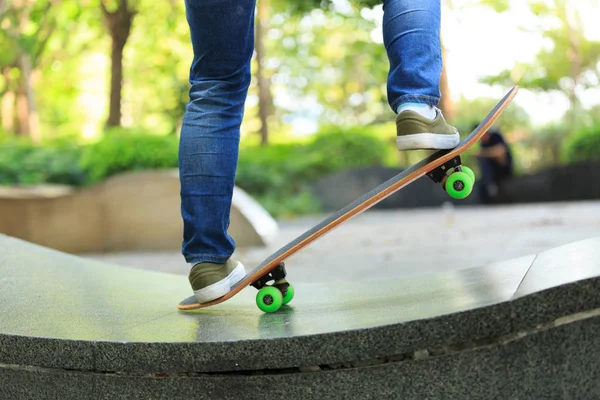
(574, 57)
(7, 105)
(119, 24)
(25, 121)
(27, 117)
(116, 83)
(7, 111)
(264, 85)
(446, 104)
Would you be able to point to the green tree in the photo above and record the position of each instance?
(26, 28)
(567, 63)
(265, 97)
(156, 67)
(35, 34)
(325, 65)
(118, 17)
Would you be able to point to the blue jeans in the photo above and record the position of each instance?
(222, 34)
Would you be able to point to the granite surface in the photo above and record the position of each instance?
(67, 313)
(560, 363)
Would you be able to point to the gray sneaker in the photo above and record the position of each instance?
(211, 280)
(415, 132)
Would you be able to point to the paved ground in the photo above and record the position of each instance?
(408, 242)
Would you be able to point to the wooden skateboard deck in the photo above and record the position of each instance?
(428, 166)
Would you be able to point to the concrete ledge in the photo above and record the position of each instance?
(129, 212)
(524, 328)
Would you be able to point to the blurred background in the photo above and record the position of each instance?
(91, 89)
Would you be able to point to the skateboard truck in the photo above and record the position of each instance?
(277, 274)
(438, 174)
(271, 297)
(456, 179)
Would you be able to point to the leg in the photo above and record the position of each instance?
(487, 180)
(411, 34)
(222, 38)
(222, 34)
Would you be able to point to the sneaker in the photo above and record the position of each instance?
(210, 280)
(416, 132)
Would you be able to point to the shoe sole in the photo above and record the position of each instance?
(221, 288)
(427, 141)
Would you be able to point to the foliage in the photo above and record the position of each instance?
(583, 146)
(279, 175)
(22, 163)
(165, 63)
(128, 150)
(338, 149)
(261, 169)
(324, 65)
(567, 62)
(325, 68)
(36, 36)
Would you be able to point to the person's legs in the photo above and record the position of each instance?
(222, 37)
(487, 179)
(411, 35)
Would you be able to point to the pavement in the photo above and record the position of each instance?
(398, 243)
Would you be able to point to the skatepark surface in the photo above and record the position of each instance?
(384, 244)
(522, 326)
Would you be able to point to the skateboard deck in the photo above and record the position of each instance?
(436, 166)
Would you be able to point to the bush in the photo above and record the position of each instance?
(67, 162)
(279, 176)
(583, 146)
(123, 150)
(23, 163)
(332, 151)
(261, 169)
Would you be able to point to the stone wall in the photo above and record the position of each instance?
(129, 212)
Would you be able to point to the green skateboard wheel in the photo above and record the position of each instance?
(469, 172)
(269, 299)
(289, 295)
(459, 185)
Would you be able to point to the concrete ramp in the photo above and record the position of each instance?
(527, 328)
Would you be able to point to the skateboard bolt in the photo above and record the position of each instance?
(268, 300)
(458, 185)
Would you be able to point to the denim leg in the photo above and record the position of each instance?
(411, 35)
(222, 34)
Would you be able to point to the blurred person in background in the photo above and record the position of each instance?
(495, 164)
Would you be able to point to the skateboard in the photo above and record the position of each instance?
(443, 167)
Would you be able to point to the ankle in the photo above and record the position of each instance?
(424, 110)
